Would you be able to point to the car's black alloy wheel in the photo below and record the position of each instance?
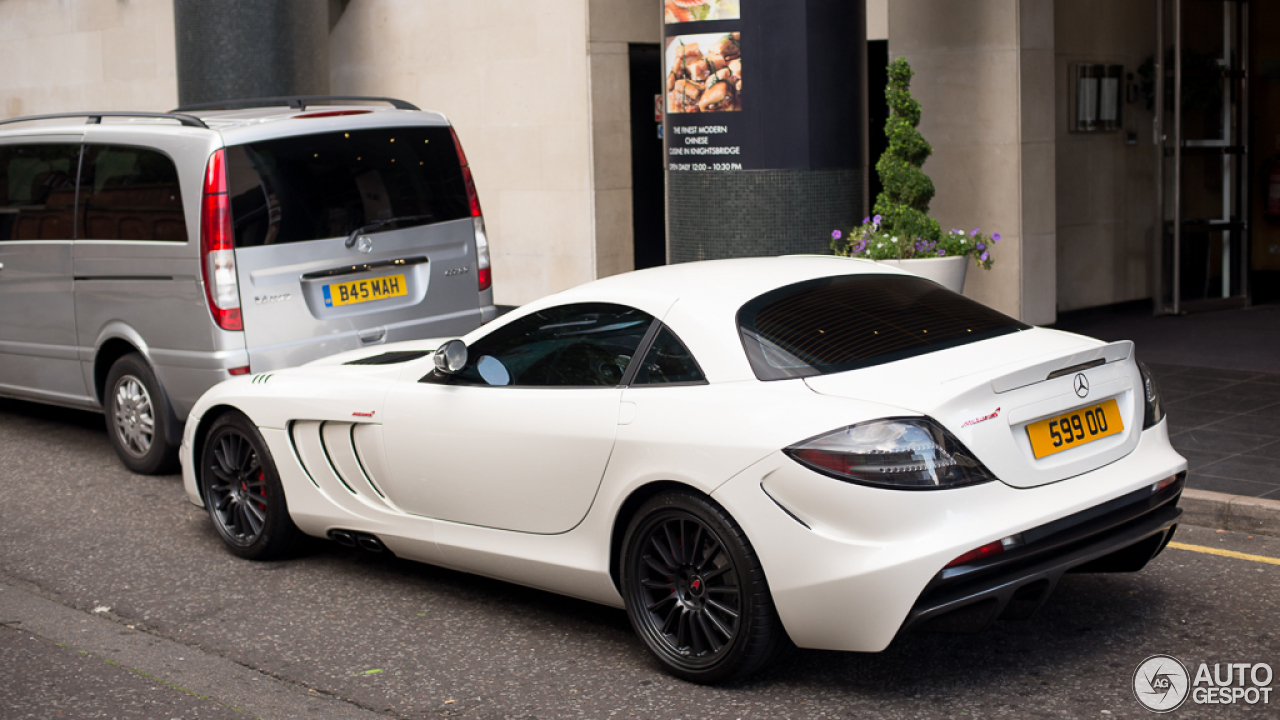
(695, 591)
(138, 417)
(242, 491)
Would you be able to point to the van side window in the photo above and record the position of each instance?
(37, 191)
(130, 193)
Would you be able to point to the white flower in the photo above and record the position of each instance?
(895, 239)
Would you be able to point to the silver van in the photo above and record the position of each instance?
(145, 257)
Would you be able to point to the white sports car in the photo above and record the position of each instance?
(742, 453)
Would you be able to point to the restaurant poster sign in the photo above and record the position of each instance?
(761, 84)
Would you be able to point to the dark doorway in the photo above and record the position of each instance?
(877, 114)
(1264, 186)
(648, 196)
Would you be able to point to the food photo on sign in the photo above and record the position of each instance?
(704, 73)
(679, 11)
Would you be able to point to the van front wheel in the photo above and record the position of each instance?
(138, 417)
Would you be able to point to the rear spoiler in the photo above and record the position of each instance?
(1058, 367)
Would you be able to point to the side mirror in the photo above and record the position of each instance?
(451, 357)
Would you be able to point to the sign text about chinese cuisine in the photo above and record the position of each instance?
(705, 147)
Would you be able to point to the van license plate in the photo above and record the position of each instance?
(358, 291)
(1074, 428)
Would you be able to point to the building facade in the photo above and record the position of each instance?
(1042, 115)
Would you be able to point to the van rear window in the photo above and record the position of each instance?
(309, 187)
(848, 322)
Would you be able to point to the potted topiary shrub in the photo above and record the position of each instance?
(901, 232)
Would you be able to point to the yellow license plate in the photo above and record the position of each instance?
(1074, 428)
(358, 291)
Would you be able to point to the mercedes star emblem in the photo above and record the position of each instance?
(1082, 385)
(365, 243)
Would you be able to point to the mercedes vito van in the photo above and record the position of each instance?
(145, 257)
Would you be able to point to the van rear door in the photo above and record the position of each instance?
(310, 285)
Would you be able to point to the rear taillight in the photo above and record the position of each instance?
(483, 271)
(482, 254)
(217, 253)
(900, 453)
(472, 197)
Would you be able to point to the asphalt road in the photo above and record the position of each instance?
(117, 600)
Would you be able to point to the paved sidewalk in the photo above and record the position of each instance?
(56, 661)
(1219, 375)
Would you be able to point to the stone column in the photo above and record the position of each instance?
(984, 76)
(774, 166)
(251, 48)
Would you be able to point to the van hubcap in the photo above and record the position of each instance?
(134, 416)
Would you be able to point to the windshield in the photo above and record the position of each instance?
(852, 321)
(309, 187)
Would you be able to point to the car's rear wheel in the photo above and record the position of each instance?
(242, 491)
(695, 591)
(138, 417)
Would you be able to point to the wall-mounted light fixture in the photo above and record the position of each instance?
(1095, 97)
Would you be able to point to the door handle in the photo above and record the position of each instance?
(372, 335)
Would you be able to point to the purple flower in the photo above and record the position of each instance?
(942, 253)
(835, 235)
(876, 220)
(866, 220)
(975, 232)
(981, 246)
(995, 237)
(984, 257)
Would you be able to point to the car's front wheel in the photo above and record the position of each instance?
(695, 591)
(242, 491)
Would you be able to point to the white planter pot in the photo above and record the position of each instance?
(946, 271)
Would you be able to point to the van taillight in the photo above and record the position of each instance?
(483, 272)
(217, 253)
(466, 175)
(482, 254)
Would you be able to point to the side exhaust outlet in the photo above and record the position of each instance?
(344, 538)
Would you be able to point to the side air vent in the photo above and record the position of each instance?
(390, 358)
(327, 452)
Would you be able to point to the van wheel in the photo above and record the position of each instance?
(138, 417)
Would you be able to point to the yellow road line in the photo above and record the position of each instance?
(1225, 553)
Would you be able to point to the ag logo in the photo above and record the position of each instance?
(1161, 683)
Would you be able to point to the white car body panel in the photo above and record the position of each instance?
(368, 448)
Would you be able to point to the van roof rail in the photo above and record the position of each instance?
(95, 118)
(298, 102)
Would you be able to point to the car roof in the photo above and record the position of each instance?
(700, 300)
(721, 285)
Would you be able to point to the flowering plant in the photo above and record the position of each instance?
(873, 241)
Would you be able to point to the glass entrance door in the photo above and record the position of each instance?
(1203, 260)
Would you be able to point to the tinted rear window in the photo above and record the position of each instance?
(853, 321)
(309, 187)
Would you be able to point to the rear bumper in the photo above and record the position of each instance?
(850, 566)
(1119, 536)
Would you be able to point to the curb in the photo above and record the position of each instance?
(1230, 512)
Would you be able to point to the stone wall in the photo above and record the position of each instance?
(984, 78)
(88, 55)
(1105, 187)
